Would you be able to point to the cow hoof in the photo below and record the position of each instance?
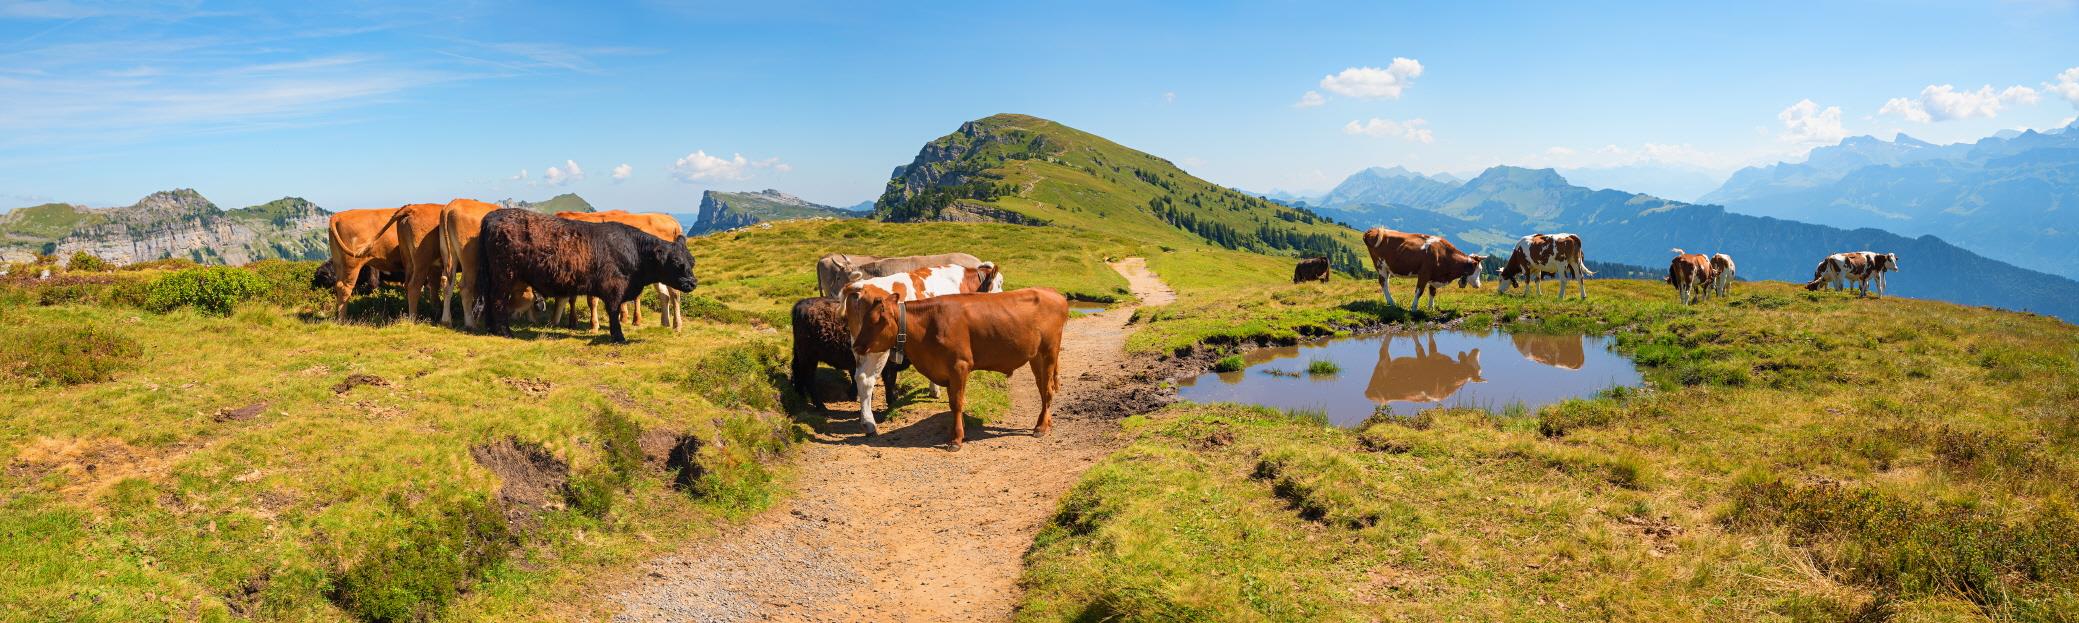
(953, 446)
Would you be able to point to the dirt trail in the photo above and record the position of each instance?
(895, 528)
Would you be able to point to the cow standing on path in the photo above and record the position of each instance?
(560, 257)
(1311, 269)
(919, 284)
(949, 337)
(1690, 273)
(1431, 260)
(1539, 255)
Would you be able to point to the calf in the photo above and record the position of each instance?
(559, 257)
(835, 271)
(1431, 260)
(1311, 269)
(919, 284)
(1721, 274)
(820, 337)
(948, 337)
(1539, 255)
(1690, 273)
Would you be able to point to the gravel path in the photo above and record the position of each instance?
(895, 528)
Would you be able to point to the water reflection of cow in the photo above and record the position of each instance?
(1429, 376)
(1559, 351)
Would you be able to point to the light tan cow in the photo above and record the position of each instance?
(418, 239)
(460, 222)
(363, 231)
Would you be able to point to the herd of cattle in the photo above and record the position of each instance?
(944, 316)
(1434, 261)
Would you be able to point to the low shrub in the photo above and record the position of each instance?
(751, 375)
(167, 263)
(1556, 419)
(87, 262)
(1230, 363)
(212, 290)
(1323, 367)
(416, 575)
(288, 284)
(707, 308)
(66, 355)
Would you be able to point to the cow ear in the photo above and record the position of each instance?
(855, 276)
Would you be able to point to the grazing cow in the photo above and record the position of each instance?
(418, 239)
(1311, 269)
(370, 279)
(1721, 274)
(1429, 376)
(1538, 255)
(918, 284)
(460, 222)
(834, 271)
(662, 226)
(820, 337)
(948, 337)
(1874, 267)
(1431, 260)
(1690, 273)
(559, 257)
(362, 230)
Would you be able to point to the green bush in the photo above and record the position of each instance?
(66, 355)
(751, 375)
(288, 284)
(707, 308)
(417, 574)
(167, 263)
(1230, 363)
(88, 262)
(213, 290)
(1322, 367)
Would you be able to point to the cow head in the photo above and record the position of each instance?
(989, 276)
(674, 264)
(1514, 273)
(1888, 262)
(869, 317)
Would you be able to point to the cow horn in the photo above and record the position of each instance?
(855, 276)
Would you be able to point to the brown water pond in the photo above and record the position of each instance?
(1407, 373)
(1084, 308)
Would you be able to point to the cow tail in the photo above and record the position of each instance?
(363, 251)
(1676, 251)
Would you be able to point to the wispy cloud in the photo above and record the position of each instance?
(1805, 123)
(1942, 102)
(1415, 130)
(698, 166)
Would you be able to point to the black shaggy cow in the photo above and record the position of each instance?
(560, 257)
(820, 337)
(1310, 269)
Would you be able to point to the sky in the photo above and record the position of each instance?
(641, 106)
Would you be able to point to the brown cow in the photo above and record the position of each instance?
(460, 222)
(1431, 260)
(1538, 255)
(361, 230)
(1558, 351)
(1311, 269)
(945, 338)
(418, 240)
(662, 226)
(1690, 273)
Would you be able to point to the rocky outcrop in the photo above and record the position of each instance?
(181, 223)
(951, 175)
(723, 211)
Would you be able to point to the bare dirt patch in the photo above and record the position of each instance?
(242, 413)
(356, 380)
(533, 388)
(530, 478)
(87, 465)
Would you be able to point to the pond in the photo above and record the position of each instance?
(1084, 308)
(1408, 373)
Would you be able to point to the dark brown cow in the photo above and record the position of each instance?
(1539, 255)
(820, 337)
(1690, 273)
(945, 338)
(560, 257)
(656, 224)
(1311, 269)
(1431, 260)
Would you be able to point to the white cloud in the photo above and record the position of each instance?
(1942, 102)
(569, 172)
(1373, 82)
(699, 166)
(621, 172)
(521, 176)
(1310, 100)
(1805, 122)
(575, 172)
(1169, 97)
(1415, 130)
(1559, 152)
(2067, 85)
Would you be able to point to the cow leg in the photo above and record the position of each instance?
(1047, 376)
(592, 312)
(1385, 289)
(956, 401)
(870, 367)
(613, 321)
(802, 375)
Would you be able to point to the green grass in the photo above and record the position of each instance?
(1793, 456)
(1323, 367)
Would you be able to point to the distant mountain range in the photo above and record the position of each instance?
(721, 211)
(170, 224)
(2013, 196)
(1665, 181)
(566, 202)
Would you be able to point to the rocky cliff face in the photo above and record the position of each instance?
(722, 211)
(181, 223)
(955, 167)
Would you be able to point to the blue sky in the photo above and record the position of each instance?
(366, 104)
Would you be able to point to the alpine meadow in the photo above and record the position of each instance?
(648, 312)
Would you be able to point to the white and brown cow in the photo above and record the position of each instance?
(915, 285)
(1539, 255)
(1690, 273)
(1874, 267)
(1721, 274)
(1431, 260)
(1859, 269)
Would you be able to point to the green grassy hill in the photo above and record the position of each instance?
(1024, 169)
(566, 202)
(34, 227)
(726, 210)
